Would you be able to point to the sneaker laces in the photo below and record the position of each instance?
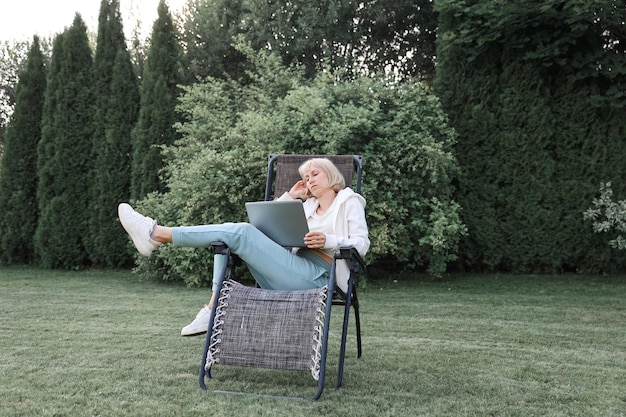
(151, 224)
(145, 221)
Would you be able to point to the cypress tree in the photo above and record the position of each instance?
(49, 128)
(117, 102)
(112, 172)
(18, 182)
(157, 115)
(65, 152)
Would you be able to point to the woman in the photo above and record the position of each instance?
(336, 217)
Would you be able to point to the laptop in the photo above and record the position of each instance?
(282, 221)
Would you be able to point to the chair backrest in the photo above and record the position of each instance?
(282, 171)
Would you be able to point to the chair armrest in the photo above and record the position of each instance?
(220, 248)
(350, 254)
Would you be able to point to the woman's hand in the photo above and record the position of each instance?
(315, 240)
(299, 190)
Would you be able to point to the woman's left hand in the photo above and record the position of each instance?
(315, 240)
(299, 190)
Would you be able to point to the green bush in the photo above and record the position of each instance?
(221, 160)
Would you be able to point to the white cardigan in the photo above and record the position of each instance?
(350, 227)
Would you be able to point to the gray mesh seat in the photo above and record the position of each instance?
(268, 329)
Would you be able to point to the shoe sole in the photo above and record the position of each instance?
(193, 334)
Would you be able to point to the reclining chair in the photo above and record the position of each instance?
(253, 327)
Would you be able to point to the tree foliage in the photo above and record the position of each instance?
(12, 55)
(396, 37)
(209, 29)
(364, 37)
(18, 181)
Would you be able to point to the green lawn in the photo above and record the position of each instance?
(103, 343)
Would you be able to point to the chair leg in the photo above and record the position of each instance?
(203, 372)
(357, 320)
(344, 335)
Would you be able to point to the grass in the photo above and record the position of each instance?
(101, 343)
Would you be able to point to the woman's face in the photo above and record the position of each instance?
(316, 180)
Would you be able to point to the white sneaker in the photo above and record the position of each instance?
(199, 325)
(139, 228)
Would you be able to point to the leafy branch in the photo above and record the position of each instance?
(608, 216)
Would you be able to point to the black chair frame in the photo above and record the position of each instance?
(349, 299)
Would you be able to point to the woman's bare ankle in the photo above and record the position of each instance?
(162, 234)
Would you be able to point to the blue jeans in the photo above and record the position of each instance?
(272, 266)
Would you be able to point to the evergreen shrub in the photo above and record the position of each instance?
(536, 93)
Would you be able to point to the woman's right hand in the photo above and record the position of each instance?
(299, 190)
